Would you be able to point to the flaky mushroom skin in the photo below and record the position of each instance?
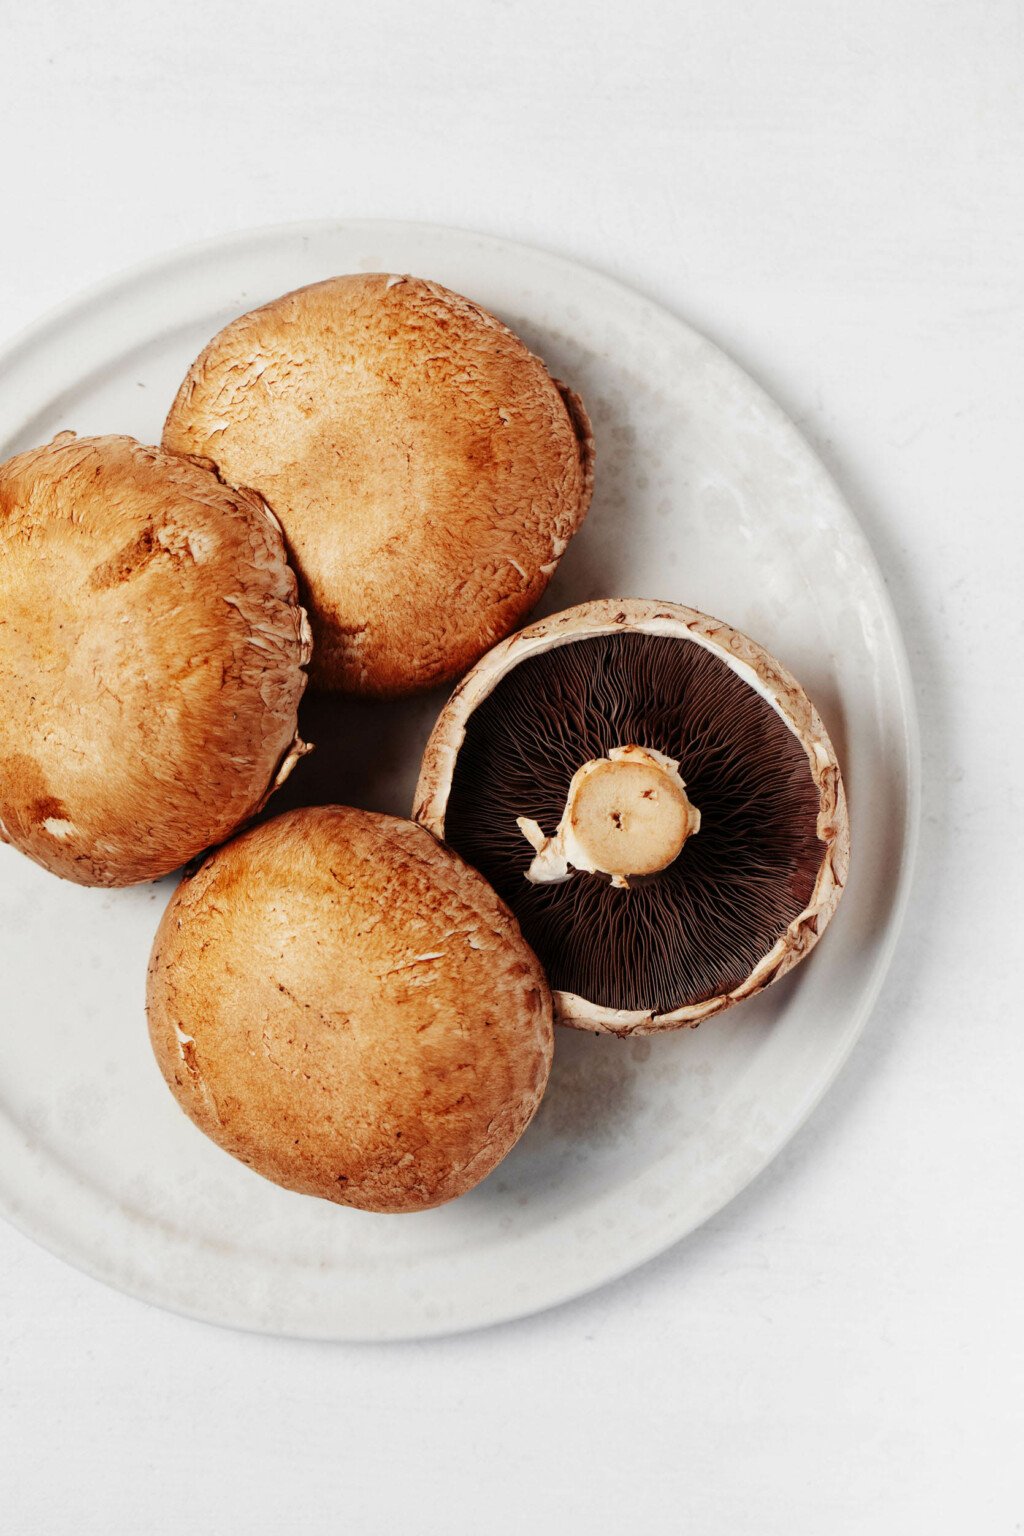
(152, 654)
(758, 668)
(427, 470)
(343, 1004)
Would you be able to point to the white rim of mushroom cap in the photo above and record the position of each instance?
(760, 671)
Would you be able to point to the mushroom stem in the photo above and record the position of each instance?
(626, 814)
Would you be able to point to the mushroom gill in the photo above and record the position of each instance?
(698, 927)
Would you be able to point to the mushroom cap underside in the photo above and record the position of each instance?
(749, 894)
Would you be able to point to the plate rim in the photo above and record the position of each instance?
(34, 335)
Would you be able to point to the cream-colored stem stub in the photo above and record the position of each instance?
(626, 814)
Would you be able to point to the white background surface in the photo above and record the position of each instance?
(833, 193)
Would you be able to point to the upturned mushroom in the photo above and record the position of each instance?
(427, 470)
(152, 655)
(340, 1002)
(656, 799)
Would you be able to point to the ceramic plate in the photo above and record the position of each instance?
(706, 494)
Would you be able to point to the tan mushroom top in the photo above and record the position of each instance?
(151, 658)
(343, 1004)
(426, 469)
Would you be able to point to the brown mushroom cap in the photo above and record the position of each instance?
(151, 658)
(426, 469)
(749, 888)
(340, 1002)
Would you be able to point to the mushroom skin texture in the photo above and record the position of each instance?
(341, 1003)
(427, 470)
(777, 716)
(152, 655)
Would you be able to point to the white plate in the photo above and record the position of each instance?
(706, 494)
